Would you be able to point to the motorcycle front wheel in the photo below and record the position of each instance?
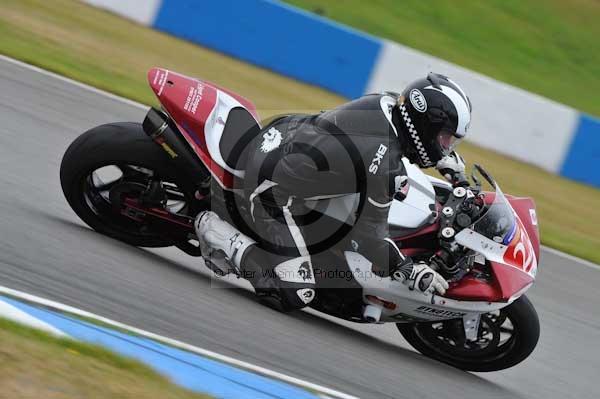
(505, 338)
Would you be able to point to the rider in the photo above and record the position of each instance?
(354, 148)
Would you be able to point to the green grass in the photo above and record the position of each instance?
(34, 364)
(103, 50)
(108, 52)
(549, 47)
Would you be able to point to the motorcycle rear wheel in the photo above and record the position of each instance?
(506, 338)
(120, 148)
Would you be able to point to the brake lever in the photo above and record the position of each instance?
(476, 181)
(461, 180)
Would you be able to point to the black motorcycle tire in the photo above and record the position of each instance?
(526, 325)
(114, 143)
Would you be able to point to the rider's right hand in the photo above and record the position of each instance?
(421, 277)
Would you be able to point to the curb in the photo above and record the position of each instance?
(192, 367)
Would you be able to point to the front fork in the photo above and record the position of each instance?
(471, 323)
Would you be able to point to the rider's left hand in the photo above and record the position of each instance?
(452, 167)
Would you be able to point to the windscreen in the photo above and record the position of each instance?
(498, 223)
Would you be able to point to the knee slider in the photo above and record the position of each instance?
(297, 281)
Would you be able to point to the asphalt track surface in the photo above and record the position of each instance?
(46, 250)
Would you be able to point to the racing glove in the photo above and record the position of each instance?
(452, 167)
(421, 277)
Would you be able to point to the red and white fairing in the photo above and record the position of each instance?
(514, 265)
(512, 262)
(200, 110)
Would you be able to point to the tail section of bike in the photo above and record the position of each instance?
(208, 118)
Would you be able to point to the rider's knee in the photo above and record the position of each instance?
(296, 271)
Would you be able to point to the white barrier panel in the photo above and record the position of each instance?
(505, 119)
(141, 11)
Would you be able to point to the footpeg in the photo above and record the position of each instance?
(372, 314)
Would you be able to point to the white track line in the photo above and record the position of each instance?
(177, 344)
(73, 82)
(571, 258)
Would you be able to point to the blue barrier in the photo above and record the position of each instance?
(583, 157)
(278, 37)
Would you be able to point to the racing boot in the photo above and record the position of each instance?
(218, 238)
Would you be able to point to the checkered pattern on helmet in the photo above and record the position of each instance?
(415, 136)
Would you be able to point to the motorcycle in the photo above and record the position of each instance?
(143, 184)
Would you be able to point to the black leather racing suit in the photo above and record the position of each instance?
(299, 159)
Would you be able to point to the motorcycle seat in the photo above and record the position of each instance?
(239, 131)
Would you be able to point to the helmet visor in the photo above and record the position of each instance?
(448, 141)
